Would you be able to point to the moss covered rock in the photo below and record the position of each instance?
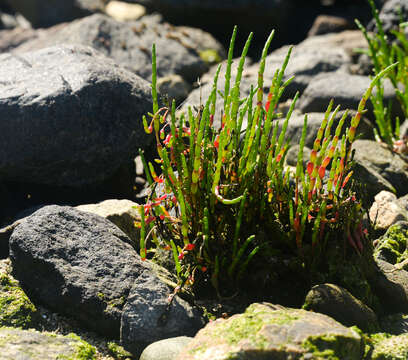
(16, 309)
(392, 247)
(34, 345)
(387, 347)
(338, 303)
(266, 331)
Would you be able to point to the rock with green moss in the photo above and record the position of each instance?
(338, 303)
(34, 345)
(392, 247)
(266, 331)
(388, 347)
(16, 309)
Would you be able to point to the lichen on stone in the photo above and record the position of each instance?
(392, 246)
(16, 309)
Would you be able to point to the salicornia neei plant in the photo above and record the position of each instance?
(383, 52)
(225, 200)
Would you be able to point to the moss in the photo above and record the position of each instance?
(247, 327)
(118, 351)
(210, 56)
(331, 347)
(393, 245)
(16, 309)
(83, 350)
(388, 347)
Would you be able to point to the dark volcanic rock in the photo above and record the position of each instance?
(81, 265)
(148, 316)
(378, 168)
(44, 13)
(78, 264)
(129, 44)
(69, 116)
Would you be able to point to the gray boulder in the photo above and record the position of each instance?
(130, 44)
(378, 168)
(34, 345)
(81, 265)
(166, 349)
(345, 89)
(148, 316)
(266, 331)
(76, 263)
(44, 13)
(338, 303)
(69, 116)
(391, 15)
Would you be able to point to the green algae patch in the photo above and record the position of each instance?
(331, 347)
(83, 350)
(392, 245)
(118, 352)
(16, 343)
(16, 309)
(266, 331)
(210, 56)
(389, 347)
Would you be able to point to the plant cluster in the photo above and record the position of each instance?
(383, 52)
(225, 201)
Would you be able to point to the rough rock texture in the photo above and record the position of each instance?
(345, 89)
(81, 265)
(77, 115)
(391, 347)
(338, 303)
(123, 213)
(391, 15)
(33, 345)
(386, 211)
(129, 44)
(76, 263)
(10, 39)
(308, 59)
(44, 13)
(378, 168)
(167, 349)
(265, 331)
(148, 317)
(391, 286)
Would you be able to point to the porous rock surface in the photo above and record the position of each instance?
(378, 168)
(34, 345)
(148, 316)
(69, 116)
(82, 266)
(265, 331)
(129, 44)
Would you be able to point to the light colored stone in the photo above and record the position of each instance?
(386, 211)
(123, 11)
(166, 349)
(123, 213)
